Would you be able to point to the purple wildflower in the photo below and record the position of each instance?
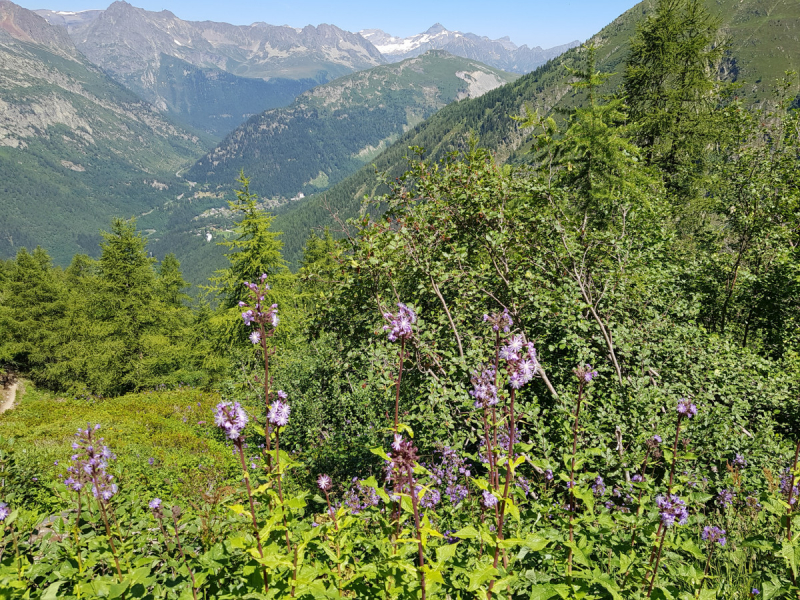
(324, 482)
(725, 498)
(483, 389)
(739, 461)
(151, 461)
(255, 337)
(637, 478)
(279, 413)
(585, 373)
(786, 483)
(548, 475)
(657, 439)
(431, 498)
(671, 509)
(155, 503)
(248, 317)
(4, 511)
(686, 408)
(599, 487)
(499, 321)
(488, 499)
(754, 592)
(714, 534)
(231, 418)
(400, 324)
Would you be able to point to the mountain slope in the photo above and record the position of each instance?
(212, 75)
(763, 44)
(329, 132)
(502, 53)
(76, 148)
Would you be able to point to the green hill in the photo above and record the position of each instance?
(762, 45)
(331, 131)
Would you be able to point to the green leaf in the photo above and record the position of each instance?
(468, 532)
(51, 593)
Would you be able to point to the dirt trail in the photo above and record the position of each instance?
(7, 397)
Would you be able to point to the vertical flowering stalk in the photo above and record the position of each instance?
(158, 514)
(324, 483)
(231, 418)
(404, 458)
(399, 328)
(585, 374)
(279, 417)
(93, 462)
(686, 410)
(671, 510)
(712, 535)
(521, 366)
(266, 320)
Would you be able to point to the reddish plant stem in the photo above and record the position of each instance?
(238, 444)
(705, 571)
(266, 388)
(397, 387)
(509, 474)
(641, 491)
(658, 561)
(108, 528)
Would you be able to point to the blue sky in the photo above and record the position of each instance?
(533, 22)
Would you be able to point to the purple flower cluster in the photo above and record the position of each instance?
(449, 473)
(599, 487)
(279, 411)
(360, 497)
(671, 510)
(686, 408)
(257, 312)
(725, 498)
(585, 373)
(155, 507)
(488, 499)
(430, 498)
(499, 321)
(399, 326)
(786, 483)
(739, 461)
(90, 464)
(231, 418)
(4, 511)
(483, 388)
(714, 534)
(520, 357)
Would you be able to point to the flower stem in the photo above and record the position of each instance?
(397, 387)
(415, 506)
(108, 528)
(238, 443)
(658, 561)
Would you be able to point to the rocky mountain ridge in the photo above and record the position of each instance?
(500, 53)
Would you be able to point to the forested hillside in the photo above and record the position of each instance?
(573, 377)
(760, 44)
(329, 132)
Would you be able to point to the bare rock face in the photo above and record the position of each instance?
(128, 42)
(501, 53)
(25, 26)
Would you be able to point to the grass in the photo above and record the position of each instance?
(173, 428)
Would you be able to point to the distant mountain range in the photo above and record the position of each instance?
(501, 53)
(214, 76)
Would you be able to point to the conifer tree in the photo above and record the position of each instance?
(256, 249)
(670, 82)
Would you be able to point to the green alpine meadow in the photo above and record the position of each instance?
(284, 318)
